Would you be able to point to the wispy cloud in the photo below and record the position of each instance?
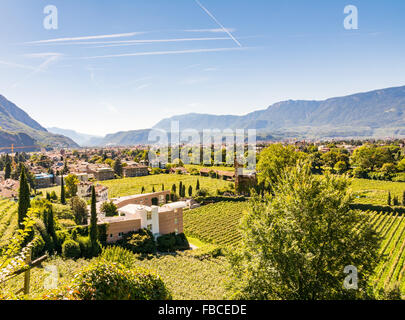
(218, 23)
(16, 65)
(136, 42)
(153, 53)
(105, 36)
(50, 58)
(218, 30)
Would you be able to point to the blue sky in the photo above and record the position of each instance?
(157, 58)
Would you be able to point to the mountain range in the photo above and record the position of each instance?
(18, 128)
(374, 114)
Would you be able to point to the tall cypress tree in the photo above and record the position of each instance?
(7, 170)
(93, 218)
(62, 191)
(23, 198)
(50, 226)
(180, 188)
(389, 199)
(118, 167)
(198, 185)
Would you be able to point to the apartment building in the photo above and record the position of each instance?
(103, 173)
(43, 180)
(135, 170)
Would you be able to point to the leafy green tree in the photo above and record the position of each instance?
(273, 161)
(71, 183)
(109, 208)
(296, 244)
(62, 191)
(23, 198)
(80, 211)
(341, 167)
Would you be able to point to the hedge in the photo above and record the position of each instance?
(372, 207)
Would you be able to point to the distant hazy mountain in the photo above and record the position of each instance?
(14, 122)
(123, 138)
(81, 139)
(379, 113)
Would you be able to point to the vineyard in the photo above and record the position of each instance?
(215, 223)
(218, 223)
(376, 192)
(189, 278)
(8, 219)
(391, 269)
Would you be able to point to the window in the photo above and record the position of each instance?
(149, 216)
(121, 234)
(111, 235)
(176, 230)
(149, 227)
(175, 220)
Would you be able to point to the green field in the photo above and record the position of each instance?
(375, 191)
(130, 186)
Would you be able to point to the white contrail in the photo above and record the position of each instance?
(218, 30)
(219, 23)
(134, 42)
(105, 36)
(153, 53)
(16, 65)
(42, 67)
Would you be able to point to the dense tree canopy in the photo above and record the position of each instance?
(297, 243)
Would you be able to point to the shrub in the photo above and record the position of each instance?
(206, 252)
(85, 247)
(103, 280)
(71, 249)
(172, 242)
(119, 255)
(166, 242)
(202, 192)
(141, 241)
